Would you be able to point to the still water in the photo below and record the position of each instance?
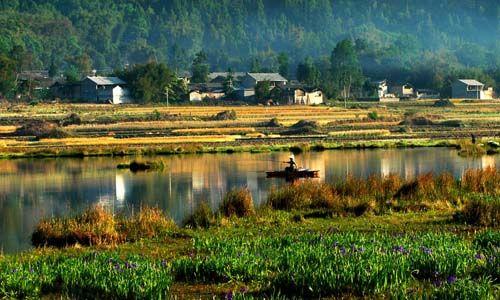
(31, 189)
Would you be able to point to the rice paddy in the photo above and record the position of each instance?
(103, 128)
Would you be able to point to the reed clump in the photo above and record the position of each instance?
(98, 226)
(95, 226)
(482, 210)
(358, 196)
(467, 148)
(202, 217)
(148, 223)
(238, 202)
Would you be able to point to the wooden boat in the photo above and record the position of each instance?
(293, 175)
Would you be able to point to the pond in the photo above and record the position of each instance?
(32, 189)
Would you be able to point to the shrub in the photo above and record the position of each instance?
(373, 115)
(202, 216)
(237, 202)
(299, 148)
(136, 166)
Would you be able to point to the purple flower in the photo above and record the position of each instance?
(479, 256)
(342, 250)
(426, 250)
(451, 279)
(117, 266)
(229, 295)
(244, 290)
(164, 263)
(437, 282)
(399, 249)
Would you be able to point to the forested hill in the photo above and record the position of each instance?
(244, 34)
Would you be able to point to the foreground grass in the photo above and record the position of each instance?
(314, 245)
(271, 254)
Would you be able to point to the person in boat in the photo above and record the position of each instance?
(292, 166)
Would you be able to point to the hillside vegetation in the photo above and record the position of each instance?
(393, 36)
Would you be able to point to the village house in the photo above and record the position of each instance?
(378, 92)
(303, 96)
(220, 77)
(206, 91)
(427, 94)
(402, 91)
(96, 89)
(470, 89)
(252, 79)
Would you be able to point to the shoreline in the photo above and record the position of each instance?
(223, 147)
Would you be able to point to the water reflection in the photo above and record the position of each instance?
(33, 189)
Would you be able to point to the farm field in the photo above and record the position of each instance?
(431, 237)
(121, 130)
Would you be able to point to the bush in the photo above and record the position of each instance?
(237, 202)
(202, 216)
(482, 181)
(373, 115)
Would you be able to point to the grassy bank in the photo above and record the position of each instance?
(432, 237)
(61, 150)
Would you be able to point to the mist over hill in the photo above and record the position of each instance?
(392, 37)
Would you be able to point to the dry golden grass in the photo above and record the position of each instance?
(370, 132)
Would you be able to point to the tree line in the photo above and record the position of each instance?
(423, 42)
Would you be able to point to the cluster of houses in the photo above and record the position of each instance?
(461, 89)
(244, 85)
(114, 90)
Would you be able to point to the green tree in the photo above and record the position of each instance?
(345, 68)
(262, 91)
(7, 75)
(228, 84)
(283, 64)
(308, 73)
(150, 82)
(200, 68)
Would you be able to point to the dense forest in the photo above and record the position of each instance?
(423, 41)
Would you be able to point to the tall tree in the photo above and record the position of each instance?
(345, 68)
(200, 68)
(263, 91)
(308, 73)
(7, 75)
(152, 83)
(283, 64)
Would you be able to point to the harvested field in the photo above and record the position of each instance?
(132, 126)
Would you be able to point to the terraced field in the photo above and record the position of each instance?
(105, 126)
